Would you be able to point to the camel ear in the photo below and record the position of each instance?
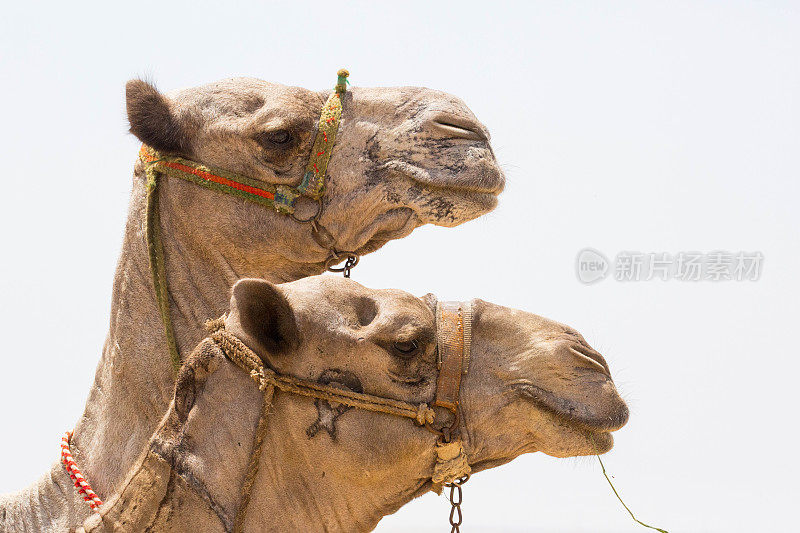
(152, 118)
(263, 317)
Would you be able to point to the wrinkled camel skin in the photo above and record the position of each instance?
(403, 157)
(533, 385)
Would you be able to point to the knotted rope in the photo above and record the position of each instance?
(246, 359)
(451, 464)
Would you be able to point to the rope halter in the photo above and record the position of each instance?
(454, 334)
(451, 468)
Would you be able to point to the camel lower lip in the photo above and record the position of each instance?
(486, 200)
(489, 186)
(472, 179)
(466, 189)
(569, 411)
(602, 441)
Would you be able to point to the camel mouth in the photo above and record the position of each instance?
(485, 201)
(479, 179)
(452, 208)
(595, 420)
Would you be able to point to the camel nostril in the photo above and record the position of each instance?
(459, 127)
(591, 356)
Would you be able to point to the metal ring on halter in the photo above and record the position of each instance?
(312, 218)
(324, 238)
(433, 430)
(351, 260)
(460, 481)
(446, 433)
(337, 257)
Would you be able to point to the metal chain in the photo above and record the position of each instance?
(348, 265)
(455, 502)
(324, 238)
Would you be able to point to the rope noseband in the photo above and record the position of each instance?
(282, 198)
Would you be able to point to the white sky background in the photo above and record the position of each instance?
(621, 126)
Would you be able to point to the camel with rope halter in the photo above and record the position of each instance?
(413, 393)
(222, 191)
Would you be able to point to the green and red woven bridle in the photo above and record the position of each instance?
(282, 198)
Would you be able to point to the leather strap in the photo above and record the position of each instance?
(454, 340)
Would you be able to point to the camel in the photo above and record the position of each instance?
(531, 384)
(403, 157)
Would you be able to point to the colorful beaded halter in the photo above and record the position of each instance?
(282, 198)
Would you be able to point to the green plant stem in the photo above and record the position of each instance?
(603, 467)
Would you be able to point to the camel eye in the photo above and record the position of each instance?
(273, 139)
(406, 347)
(280, 137)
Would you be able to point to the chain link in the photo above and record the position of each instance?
(349, 264)
(455, 503)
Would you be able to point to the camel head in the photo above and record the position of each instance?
(403, 157)
(533, 385)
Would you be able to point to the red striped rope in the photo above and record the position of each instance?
(89, 496)
(208, 176)
(219, 179)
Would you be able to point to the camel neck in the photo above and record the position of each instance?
(134, 379)
(50, 504)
